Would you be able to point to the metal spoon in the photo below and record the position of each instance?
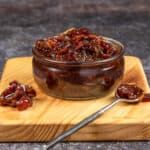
(89, 119)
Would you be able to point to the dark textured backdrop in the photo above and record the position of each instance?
(24, 21)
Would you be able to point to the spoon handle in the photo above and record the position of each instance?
(81, 124)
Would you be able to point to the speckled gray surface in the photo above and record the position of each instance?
(24, 21)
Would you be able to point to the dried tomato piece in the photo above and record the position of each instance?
(83, 31)
(30, 91)
(17, 95)
(24, 103)
(146, 98)
(128, 91)
(82, 43)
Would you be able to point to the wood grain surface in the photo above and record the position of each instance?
(49, 116)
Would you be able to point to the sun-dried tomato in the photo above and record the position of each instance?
(78, 45)
(17, 95)
(129, 91)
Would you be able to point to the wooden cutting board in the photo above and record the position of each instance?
(50, 116)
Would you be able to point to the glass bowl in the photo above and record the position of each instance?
(78, 81)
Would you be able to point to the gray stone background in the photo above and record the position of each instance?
(24, 21)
